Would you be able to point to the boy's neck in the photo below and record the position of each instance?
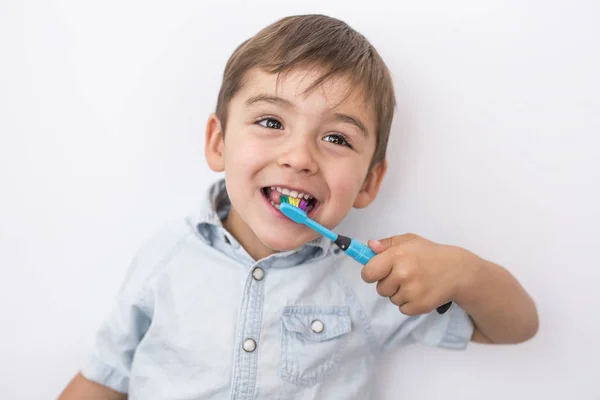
(245, 236)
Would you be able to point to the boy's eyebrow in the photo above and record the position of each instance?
(354, 121)
(268, 98)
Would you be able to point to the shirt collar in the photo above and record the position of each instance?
(215, 208)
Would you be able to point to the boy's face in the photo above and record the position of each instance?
(277, 136)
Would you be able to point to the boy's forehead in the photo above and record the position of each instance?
(336, 93)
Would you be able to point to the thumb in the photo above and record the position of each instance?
(377, 246)
(380, 245)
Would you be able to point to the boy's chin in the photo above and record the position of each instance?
(284, 243)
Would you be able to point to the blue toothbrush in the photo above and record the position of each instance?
(355, 249)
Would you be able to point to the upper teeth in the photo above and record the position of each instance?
(291, 193)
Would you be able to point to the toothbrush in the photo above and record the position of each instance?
(290, 207)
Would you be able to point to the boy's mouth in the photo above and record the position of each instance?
(274, 193)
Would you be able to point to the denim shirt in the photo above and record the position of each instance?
(198, 318)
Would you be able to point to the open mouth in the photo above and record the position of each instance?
(273, 193)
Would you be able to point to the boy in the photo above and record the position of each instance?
(242, 303)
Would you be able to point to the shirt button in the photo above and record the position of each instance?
(317, 326)
(249, 345)
(258, 274)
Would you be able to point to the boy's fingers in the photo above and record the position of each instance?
(412, 310)
(397, 240)
(377, 268)
(399, 299)
(387, 287)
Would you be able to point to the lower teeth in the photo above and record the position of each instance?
(275, 205)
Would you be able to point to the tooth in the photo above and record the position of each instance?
(285, 191)
(301, 195)
(278, 189)
(306, 196)
(293, 193)
(272, 187)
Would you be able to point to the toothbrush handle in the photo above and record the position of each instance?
(363, 253)
(359, 251)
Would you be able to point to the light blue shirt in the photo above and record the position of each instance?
(198, 318)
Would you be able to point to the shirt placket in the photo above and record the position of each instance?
(248, 334)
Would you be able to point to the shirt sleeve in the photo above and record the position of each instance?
(450, 330)
(110, 358)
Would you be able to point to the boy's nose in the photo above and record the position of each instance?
(299, 157)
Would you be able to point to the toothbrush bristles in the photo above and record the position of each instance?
(299, 203)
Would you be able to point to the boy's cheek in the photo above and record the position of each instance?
(345, 186)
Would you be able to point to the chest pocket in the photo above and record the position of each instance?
(312, 342)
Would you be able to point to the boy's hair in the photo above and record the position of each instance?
(315, 41)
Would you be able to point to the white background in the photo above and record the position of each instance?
(494, 148)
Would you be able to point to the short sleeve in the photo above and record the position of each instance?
(110, 358)
(451, 330)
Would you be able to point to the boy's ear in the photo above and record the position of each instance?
(370, 188)
(214, 146)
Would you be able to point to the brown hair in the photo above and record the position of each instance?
(315, 40)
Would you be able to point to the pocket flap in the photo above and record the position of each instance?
(317, 323)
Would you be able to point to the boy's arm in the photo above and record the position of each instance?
(82, 388)
(418, 275)
(495, 301)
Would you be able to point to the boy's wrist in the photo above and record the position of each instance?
(470, 267)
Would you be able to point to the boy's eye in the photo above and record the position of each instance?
(337, 139)
(270, 123)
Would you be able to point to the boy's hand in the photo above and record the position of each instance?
(416, 274)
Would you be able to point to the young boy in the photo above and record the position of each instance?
(240, 302)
